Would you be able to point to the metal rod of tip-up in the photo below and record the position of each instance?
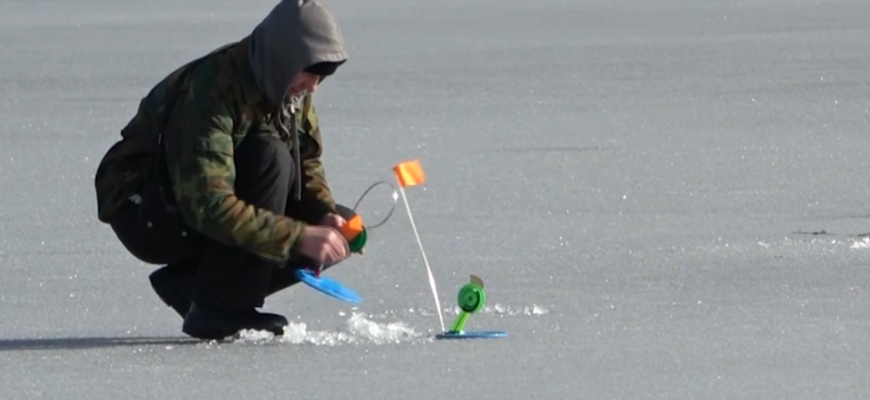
(410, 173)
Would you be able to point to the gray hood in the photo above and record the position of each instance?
(295, 35)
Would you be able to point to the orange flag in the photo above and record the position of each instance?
(410, 173)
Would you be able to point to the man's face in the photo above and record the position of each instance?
(303, 82)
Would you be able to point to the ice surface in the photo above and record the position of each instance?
(664, 198)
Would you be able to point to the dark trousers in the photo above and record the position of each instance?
(225, 276)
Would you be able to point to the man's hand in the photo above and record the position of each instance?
(324, 245)
(333, 221)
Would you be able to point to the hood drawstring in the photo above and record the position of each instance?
(294, 136)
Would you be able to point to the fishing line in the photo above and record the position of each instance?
(395, 198)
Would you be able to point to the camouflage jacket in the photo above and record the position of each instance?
(219, 104)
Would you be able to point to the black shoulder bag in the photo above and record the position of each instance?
(158, 207)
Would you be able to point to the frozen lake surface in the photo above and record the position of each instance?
(665, 200)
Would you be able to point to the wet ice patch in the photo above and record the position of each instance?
(780, 247)
(820, 245)
(797, 246)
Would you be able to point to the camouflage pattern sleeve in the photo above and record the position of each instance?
(316, 196)
(200, 162)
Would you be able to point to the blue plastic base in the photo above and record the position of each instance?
(328, 286)
(471, 335)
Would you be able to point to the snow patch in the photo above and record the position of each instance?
(357, 330)
(863, 243)
(500, 309)
(497, 309)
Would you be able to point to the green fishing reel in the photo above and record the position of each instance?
(471, 299)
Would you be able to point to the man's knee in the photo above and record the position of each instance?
(264, 167)
(259, 153)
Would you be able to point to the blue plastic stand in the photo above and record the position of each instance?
(327, 286)
(471, 335)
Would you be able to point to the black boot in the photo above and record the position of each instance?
(216, 323)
